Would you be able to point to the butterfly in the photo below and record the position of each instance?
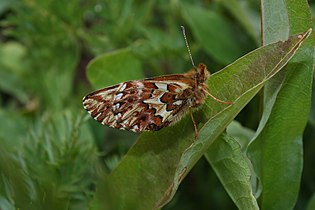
(151, 104)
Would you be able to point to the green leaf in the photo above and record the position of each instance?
(276, 150)
(245, 16)
(214, 32)
(242, 134)
(234, 170)
(311, 203)
(150, 173)
(112, 68)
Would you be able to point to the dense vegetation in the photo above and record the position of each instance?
(53, 155)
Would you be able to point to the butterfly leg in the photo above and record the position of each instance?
(223, 102)
(194, 122)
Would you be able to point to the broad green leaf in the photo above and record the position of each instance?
(247, 18)
(234, 170)
(242, 134)
(276, 150)
(150, 173)
(112, 68)
(229, 161)
(214, 32)
(275, 24)
(311, 203)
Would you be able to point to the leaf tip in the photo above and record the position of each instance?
(306, 34)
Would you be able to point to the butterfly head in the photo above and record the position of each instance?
(202, 74)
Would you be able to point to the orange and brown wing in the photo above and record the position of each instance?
(141, 105)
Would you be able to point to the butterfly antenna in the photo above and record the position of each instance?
(186, 42)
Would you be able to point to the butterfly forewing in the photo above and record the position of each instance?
(150, 104)
(139, 105)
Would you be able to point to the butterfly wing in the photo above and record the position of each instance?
(141, 105)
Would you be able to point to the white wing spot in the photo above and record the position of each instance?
(116, 106)
(164, 114)
(135, 128)
(161, 86)
(179, 102)
(123, 87)
(139, 84)
(97, 116)
(154, 100)
(118, 116)
(118, 96)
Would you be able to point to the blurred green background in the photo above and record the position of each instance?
(50, 148)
